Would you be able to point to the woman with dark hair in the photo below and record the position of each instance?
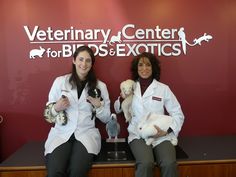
(152, 96)
(74, 139)
(153, 62)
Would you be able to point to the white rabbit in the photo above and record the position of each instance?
(37, 52)
(146, 127)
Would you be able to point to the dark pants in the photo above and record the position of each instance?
(145, 156)
(70, 159)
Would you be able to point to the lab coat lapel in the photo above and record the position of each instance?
(71, 93)
(83, 95)
(150, 90)
(137, 90)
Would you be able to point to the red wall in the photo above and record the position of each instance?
(203, 80)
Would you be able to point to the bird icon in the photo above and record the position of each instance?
(113, 127)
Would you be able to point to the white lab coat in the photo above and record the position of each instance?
(79, 115)
(157, 97)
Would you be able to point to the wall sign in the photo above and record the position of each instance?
(129, 40)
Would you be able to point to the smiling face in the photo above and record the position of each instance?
(144, 68)
(83, 64)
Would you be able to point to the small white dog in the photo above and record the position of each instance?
(127, 89)
(147, 129)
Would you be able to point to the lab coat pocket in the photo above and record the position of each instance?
(155, 104)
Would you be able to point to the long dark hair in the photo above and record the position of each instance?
(156, 68)
(91, 77)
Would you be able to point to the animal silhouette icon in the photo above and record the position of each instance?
(182, 38)
(115, 38)
(205, 37)
(37, 52)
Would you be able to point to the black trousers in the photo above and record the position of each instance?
(70, 159)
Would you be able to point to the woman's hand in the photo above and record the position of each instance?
(94, 101)
(62, 104)
(160, 132)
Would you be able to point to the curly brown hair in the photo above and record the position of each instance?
(156, 68)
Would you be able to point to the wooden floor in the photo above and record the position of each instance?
(213, 156)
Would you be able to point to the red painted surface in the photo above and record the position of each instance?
(203, 80)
